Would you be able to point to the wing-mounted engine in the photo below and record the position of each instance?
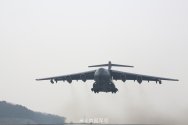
(52, 81)
(160, 82)
(69, 79)
(83, 77)
(123, 77)
(139, 79)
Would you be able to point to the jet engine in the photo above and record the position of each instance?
(160, 82)
(123, 77)
(139, 79)
(83, 77)
(51, 80)
(69, 79)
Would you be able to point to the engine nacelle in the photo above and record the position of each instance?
(55, 80)
(123, 77)
(139, 79)
(83, 77)
(160, 82)
(51, 80)
(69, 79)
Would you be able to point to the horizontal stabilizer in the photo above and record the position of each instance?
(121, 65)
(98, 65)
(118, 65)
(110, 65)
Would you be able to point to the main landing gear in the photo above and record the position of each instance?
(105, 87)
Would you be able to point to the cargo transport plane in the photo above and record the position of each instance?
(104, 77)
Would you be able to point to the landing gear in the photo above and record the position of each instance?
(114, 90)
(95, 89)
(92, 89)
(104, 87)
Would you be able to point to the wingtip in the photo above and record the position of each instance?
(175, 79)
(129, 66)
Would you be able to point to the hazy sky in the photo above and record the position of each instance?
(42, 38)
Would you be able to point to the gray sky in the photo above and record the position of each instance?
(42, 38)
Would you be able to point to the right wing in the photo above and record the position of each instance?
(119, 75)
(89, 75)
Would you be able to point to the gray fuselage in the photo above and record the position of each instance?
(102, 76)
(103, 81)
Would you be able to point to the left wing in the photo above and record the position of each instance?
(118, 75)
(89, 75)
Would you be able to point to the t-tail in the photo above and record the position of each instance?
(110, 65)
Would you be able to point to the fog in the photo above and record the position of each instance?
(47, 38)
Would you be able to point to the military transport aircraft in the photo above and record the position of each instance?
(104, 77)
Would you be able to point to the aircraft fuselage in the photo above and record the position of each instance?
(103, 81)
